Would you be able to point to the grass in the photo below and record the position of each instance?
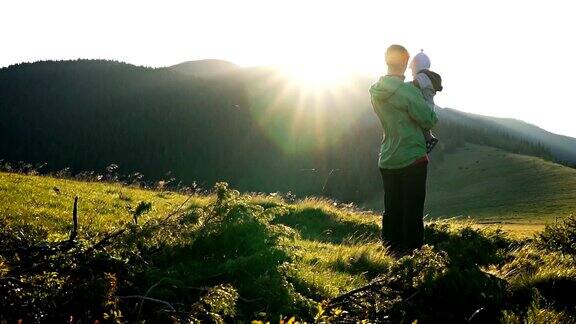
(228, 256)
(48, 201)
(518, 193)
(494, 185)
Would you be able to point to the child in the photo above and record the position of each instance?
(429, 83)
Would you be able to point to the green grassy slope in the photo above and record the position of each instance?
(485, 182)
(103, 207)
(336, 249)
(48, 202)
(493, 186)
(519, 192)
(230, 256)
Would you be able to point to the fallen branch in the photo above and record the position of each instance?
(106, 239)
(146, 296)
(142, 298)
(100, 244)
(177, 210)
(374, 284)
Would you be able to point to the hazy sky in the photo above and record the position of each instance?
(501, 58)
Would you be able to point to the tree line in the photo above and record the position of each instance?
(240, 127)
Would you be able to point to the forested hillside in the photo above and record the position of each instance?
(562, 148)
(201, 122)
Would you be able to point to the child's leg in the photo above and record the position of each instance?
(431, 140)
(427, 135)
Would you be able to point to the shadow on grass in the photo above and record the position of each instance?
(558, 291)
(468, 246)
(426, 287)
(461, 295)
(316, 224)
(239, 248)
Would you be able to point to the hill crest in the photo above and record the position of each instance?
(205, 68)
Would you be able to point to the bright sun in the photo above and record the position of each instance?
(316, 74)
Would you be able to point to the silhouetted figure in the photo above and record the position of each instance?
(403, 162)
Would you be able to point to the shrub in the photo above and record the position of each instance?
(469, 246)
(241, 257)
(560, 236)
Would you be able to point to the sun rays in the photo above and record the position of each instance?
(302, 112)
(315, 75)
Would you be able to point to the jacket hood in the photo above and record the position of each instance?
(435, 79)
(385, 87)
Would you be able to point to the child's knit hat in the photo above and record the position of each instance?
(420, 62)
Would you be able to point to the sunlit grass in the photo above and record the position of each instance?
(286, 256)
(47, 202)
(493, 185)
(495, 188)
(327, 269)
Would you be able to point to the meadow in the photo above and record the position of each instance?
(492, 187)
(224, 255)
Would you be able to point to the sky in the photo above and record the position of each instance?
(499, 58)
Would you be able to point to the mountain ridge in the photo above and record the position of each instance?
(250, 127)
(563, 147)
(205, 67)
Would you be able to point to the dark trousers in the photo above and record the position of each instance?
(404, 195)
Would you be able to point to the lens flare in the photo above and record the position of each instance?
(304, 111)
(315, 74)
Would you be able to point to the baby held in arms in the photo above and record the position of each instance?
(429, 83)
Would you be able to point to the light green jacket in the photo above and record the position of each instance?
(403, 114)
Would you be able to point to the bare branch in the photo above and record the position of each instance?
(142, 298)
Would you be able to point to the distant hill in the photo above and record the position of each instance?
(87, 114)
(205, 68)
(563, 148)
(205, 121)
(519, 192)
(495, 185)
